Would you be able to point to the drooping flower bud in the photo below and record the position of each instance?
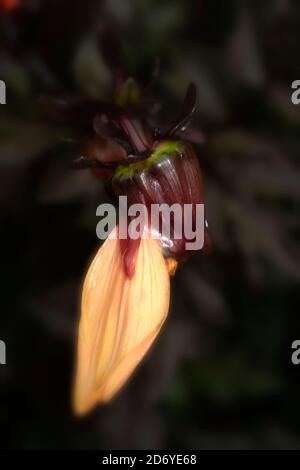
(125, 295)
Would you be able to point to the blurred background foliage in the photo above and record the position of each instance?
(220, 374)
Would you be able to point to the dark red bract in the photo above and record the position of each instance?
(170, 175)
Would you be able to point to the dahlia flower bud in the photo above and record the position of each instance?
(125, 297)
(120, 318)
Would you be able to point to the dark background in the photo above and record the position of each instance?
(220, 374)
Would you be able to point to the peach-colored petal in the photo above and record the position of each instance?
(120, 319)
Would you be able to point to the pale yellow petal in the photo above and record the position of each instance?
(120, 318)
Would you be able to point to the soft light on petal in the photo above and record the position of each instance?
(120, 318)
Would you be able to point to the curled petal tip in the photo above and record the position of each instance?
(120, 319)
(171, 264)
